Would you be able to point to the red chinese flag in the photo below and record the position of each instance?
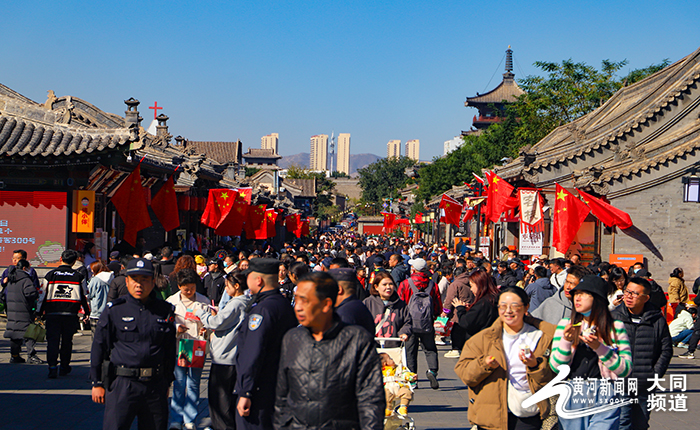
(164, 205)
(569, 213)
(468, 212)
(291, 222)
(232, 224)
(130, 202)
(500, 196)
(255, 225)
(271, 222)
(305, 227)
(246, 193)
(219, 204)
(388, 221)
(453, 209)
(419, 218)
(605, 212)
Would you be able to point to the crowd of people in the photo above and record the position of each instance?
(290, 332)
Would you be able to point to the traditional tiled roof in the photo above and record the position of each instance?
(261, 153)
(28, 128)
(615, 126)
(222, 152)
(306, 187)
(507, 90)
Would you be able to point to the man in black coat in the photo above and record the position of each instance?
(117, 288)
(348, 307)
(329, 373)
(651, 345)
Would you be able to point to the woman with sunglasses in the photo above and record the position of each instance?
(508, 360)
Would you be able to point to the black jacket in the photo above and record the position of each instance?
(400, 273)
(167, 266)
(650, 341)
(334, 383)
(352, 312)
(214, 285)
(64, 292)
(480, 315)
(117, 288)
(507, 279)
(21, 295)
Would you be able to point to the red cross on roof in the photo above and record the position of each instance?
(155, 108)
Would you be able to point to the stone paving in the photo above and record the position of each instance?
(30, 401)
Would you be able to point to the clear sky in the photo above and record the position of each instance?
(380, 70)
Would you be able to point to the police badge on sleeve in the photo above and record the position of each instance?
(254, 321)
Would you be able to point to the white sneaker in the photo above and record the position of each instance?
(453, 354)
(189, 426)
(439, 341)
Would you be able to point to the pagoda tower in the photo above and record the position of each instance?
(491, 104)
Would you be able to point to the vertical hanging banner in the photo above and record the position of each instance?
(531, 214)
(83, 211)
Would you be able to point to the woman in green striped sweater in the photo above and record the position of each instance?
(597, 350)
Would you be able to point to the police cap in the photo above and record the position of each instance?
(139, 266)
(343, 274)
(266, 266)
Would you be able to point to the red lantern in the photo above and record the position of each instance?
(183, 202)
(202, 204)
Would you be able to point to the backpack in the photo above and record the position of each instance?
(420, 308)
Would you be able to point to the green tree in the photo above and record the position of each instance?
(384, 178)
(337, 174)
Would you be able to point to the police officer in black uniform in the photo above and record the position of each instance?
(268, 318)
(136, 334)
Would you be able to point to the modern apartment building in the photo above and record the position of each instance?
(343, 151)
(319, 152)
(413, 149)
(271, 141)
(393, 149)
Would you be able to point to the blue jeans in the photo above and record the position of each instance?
(608, 420)
(683, 336)
(636, 415)
(183, 406)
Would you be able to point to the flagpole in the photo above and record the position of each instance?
(478, 219)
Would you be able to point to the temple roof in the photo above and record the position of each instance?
(261, 153)
(617, 126)
(223, 152)
(57, 128)
(507, 90)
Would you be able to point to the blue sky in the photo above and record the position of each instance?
(380, 70)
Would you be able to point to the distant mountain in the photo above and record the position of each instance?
(357, 161)
(301, 160)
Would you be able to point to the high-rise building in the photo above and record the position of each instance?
(413, 149)
(343, 158)
(319, 152)
(451, 145)
(393, 149)
(271, 141)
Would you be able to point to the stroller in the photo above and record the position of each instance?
(396, 420)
